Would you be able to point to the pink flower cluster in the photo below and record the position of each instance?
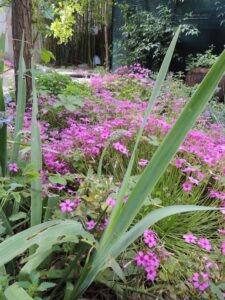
(203, 242)
(201, 281)
(150, 262)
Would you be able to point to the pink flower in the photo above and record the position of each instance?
(121, 148)
(190, 238)
(150, 238)
(179, 163)
(200, 281)
(103, 225)
(205, 244)
(187, 186)
(13, 168)
(193, 180)
(76, 202)
(143, 162)
(66, 206)
(223, 247)
(90, 225)
(139, 258)
(221, 231)
(151, 273)
(111, 202)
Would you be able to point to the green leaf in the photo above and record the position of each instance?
(46, 55)
(20, 105)
(44, 286)
(3, 128)
(70, 107)
(16, 196)
(44, 236)
(20, 215)
(58, 179)
(216, 291)
(15, 292)
(36, 159)
(117, 269)
(51, 205)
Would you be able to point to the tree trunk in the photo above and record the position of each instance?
(22, 22)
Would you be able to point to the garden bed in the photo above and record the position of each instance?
(181, 256)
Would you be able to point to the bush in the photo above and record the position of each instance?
(52, 83)
(147, 35)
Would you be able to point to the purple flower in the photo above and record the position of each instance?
(200, 281)
(5, 120)
(223, 247)
(151, 273)
(121, 148)
(111, 202)
(187, 186)
(150, 238)
(66, 206)
(90, 225)
(13, 167)
(190, 238)
(140, 258)
(143, 162)
(205, 244)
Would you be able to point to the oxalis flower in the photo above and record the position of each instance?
(121, 148)
(90, 225)
(13, 167)
(205, 244)
(111, 202)
(150, 238)
(143, 162)
(66, 206)
(187, 186)
(190, 238)
(223, 247)
(200, 281)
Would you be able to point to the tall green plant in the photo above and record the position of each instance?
(3, 125)
(36, 159)
(21, 104)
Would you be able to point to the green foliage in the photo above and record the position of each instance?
(77, 89)
(71, 103)
(147, 35)
(21, 104)
(62, 26)
(205, 59)
(47, 55)
(36, 158)
(52, 83)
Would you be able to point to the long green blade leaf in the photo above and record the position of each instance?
(3, 126)
(44, 235)
(36, 159)
(152, 218)
(155, 93)
(21, 104)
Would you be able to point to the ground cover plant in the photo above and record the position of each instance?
(87, 157)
